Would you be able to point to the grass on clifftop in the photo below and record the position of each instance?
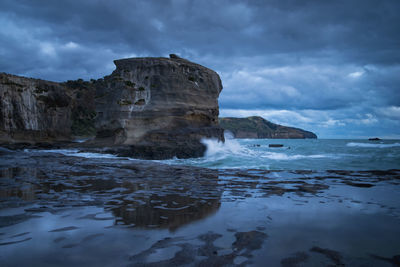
(262, 128)
(252, 124)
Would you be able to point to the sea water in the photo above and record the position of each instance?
(298, 154)
(65, 207)
(295, 154)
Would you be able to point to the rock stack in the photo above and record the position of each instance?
(152, 108)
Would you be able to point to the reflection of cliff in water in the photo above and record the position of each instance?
(167, 197)
(24, 190)
(168, 211)
(142, 194)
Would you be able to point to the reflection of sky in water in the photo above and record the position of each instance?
(292, 223)
(86, 213)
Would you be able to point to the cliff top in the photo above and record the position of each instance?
(262, 128)
(149, 61)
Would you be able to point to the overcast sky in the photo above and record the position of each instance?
(331, 67)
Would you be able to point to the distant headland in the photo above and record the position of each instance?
(258, 127)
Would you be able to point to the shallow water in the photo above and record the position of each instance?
(99, 210)
(298, 154)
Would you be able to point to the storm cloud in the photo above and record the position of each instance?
(328, 66)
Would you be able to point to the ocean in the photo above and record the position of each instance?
(312, 202)
(296, 154)
(299, 154)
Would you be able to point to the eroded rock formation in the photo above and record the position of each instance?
(158, 107)
(33, 110)
(152, 108)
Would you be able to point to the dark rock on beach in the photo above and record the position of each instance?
(258, 127)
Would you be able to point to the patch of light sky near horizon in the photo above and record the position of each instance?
(326, 124)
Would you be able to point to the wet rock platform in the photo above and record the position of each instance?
(58, 210)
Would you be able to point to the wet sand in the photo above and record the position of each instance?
(64, 211)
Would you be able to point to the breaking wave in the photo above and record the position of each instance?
(77, 153)
(216, 149)
(294, 155)
(354, 144)
(283, 156)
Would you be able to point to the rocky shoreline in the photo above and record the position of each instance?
(153, 108)
(114, 211)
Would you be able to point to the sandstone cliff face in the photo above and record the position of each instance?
(258, 127)
(159, 107)
(33, 110)
(153, 108)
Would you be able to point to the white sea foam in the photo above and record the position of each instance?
(94, 155)
(369, 145)
(283, 156)
(81, 140)
(309, 154)
(76, 153)
(230, 147)
(296, 154)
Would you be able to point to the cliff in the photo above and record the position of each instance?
(158, 107)
(34, 111)
(258, 127)
(151, 108)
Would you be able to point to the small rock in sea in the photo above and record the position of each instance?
(275, 145)
(374, 139)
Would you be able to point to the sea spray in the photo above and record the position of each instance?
(297, 154)
(217, 149)
(283, 156)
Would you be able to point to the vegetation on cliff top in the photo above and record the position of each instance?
(258, 127)
(83, 111)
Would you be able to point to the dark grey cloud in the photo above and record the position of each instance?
(336, 58)
(363, 31)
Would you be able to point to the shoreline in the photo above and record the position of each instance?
(101, 211)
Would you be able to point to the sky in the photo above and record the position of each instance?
(331, 67)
